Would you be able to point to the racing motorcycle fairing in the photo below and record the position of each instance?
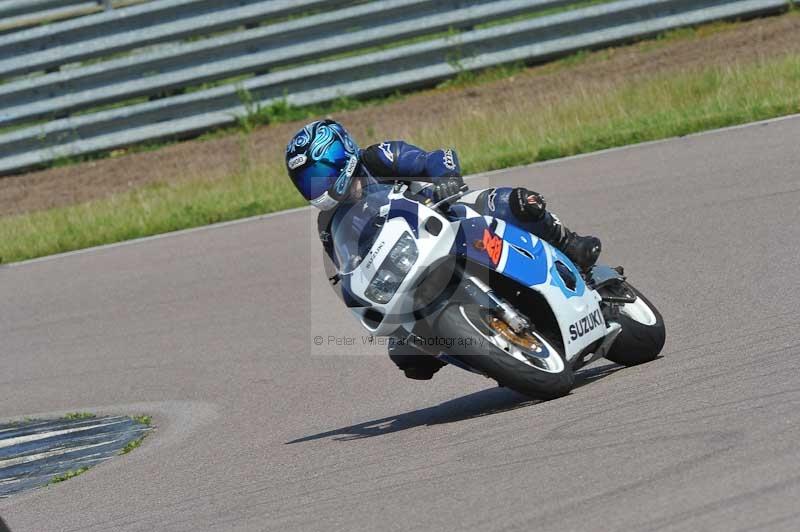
(535, 264)
(371, 237)
(386, 243)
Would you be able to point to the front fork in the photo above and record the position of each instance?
(473, 290)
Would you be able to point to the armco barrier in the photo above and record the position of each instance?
(119, 30)
(249, 51)
(371, 72)
(19, 14)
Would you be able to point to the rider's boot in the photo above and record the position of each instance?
(414, 363)
(582, 250)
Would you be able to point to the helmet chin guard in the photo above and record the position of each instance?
(324, 202)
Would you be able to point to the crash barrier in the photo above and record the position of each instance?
(175, 68)
(19, 14)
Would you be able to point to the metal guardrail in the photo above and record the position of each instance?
(121, 30)
(244, 52)
(263, 48)
(15, 8)
(18, 14)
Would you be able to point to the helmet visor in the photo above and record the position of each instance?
(315, 179)
(323, 176)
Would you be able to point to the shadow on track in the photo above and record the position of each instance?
(478, 404)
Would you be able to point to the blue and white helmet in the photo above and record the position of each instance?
(322, 159)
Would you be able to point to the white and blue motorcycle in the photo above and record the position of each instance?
(481, 294)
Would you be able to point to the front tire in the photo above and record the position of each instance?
(543, 375)
(643, 333)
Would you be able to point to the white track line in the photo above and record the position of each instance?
(475, 176)
(9, 442)
(10, 462)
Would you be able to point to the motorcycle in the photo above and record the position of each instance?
(484, 295)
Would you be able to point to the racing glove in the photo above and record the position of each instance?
(446, 187)
(526, 205)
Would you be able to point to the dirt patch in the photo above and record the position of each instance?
(220, 157)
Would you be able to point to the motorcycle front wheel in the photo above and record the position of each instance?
(643, 333)
(526, 363)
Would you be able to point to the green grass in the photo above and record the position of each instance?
(593, 118)
(516, 130)
(131, 445)
(79, 415)
(72, 473)
(150, 210)
(143, 419)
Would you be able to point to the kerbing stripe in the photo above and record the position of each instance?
(10, 462)
(42, 436)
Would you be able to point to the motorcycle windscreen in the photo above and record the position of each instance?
(356, 225)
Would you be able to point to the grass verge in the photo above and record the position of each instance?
(514, 131)
(72, 473)
(131, 445)
(79, 415)
(143, 419)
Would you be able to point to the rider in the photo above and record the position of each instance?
(328, 168)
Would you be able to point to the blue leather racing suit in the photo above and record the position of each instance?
(396, 160)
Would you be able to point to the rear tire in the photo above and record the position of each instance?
(480, 351)
(643, 333)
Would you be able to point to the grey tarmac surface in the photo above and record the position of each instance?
(211, 332)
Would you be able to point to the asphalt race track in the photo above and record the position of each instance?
(211, 332)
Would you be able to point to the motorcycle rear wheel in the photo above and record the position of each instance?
(487, 345)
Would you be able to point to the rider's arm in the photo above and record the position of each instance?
(396, 159)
